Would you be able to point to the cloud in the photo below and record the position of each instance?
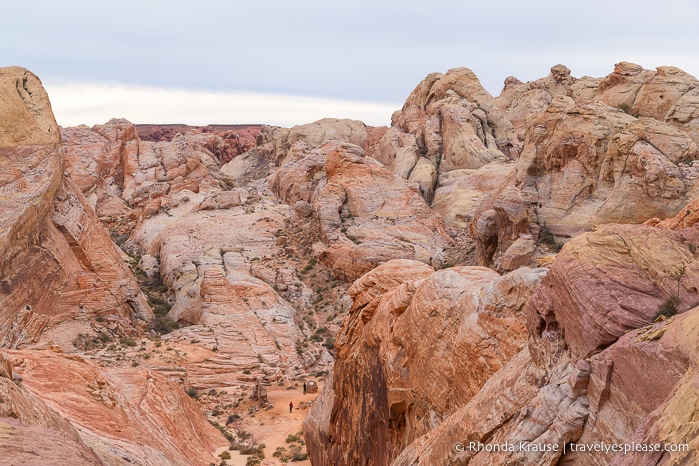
(96, 103)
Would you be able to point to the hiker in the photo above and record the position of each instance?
(291, 406)
(304, 388)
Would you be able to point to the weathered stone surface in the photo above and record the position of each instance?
(449, 121)
(520, 254)
(369, 215)
(640, 387)
(30, 444)
(30, 159)
(667, 94)
(460, 192)
(585, 164)
(94, 159)
(403, 319)
(124, 177)
(685, 218)
(609, 281)
(128, 415)
(301, 173)
(59, 268)
(233, 140)
(219, 266)
(274, 146)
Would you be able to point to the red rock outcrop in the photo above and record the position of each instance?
(581, 165)
(59, 269)
(367, 214)
(122, 415)
(125, 177)
(448, 122)
(233, 141)
(604, 372)
(667, 94)
(411, 335)
(274, 143)
(687, 216)
(610, 281)
(37, 445)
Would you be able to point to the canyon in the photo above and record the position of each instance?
(489, 271)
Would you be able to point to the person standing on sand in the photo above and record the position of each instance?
(304, 388)
(291, 406)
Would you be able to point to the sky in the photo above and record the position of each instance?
(288, 62)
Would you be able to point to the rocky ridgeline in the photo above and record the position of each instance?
(599, 347)
(479, 271)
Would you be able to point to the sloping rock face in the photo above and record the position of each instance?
(222, 280)
(31, 443)
(125, 178)
(367, 214)
(630, 268)
(580, 166)
(687, 216)
(186, 223)
(274, 143)
(120, 415)
(597, 368)
(411, 335)
(30, 430)
(449, 122)
(667, 94)
(59, 268)
(234, 139)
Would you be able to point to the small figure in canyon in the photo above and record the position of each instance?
(291, 406)
(304, 388)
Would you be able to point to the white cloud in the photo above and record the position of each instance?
(75, 104)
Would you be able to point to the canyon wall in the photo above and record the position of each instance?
(595, 347)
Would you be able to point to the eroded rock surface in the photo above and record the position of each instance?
(59, 270)
(585, 164)
(387, 389)
(606, 371)
(367, 214)
(122, 415)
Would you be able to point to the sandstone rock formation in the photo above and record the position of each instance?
(687, 216)
(417, 345)
(251, 249)
(596, 367)
(59, 270)
(449, 122)
(580, 166)
(274, 143)
(233, 141)
(120, 415)
(124, 177)
(367, 214)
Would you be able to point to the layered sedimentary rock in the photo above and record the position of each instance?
(598, 366)
(449, 122)
(581, 165)
(233, 141)
(687, 216)
(59, 269)
(612, 280)
(274, 143)
(124, 177)
(223, 284)
(116, 415)
(185, 220)
(367, 214)
(416, 346)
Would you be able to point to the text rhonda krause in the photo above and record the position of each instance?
(523, 446)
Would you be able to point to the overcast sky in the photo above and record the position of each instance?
(292, 61)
